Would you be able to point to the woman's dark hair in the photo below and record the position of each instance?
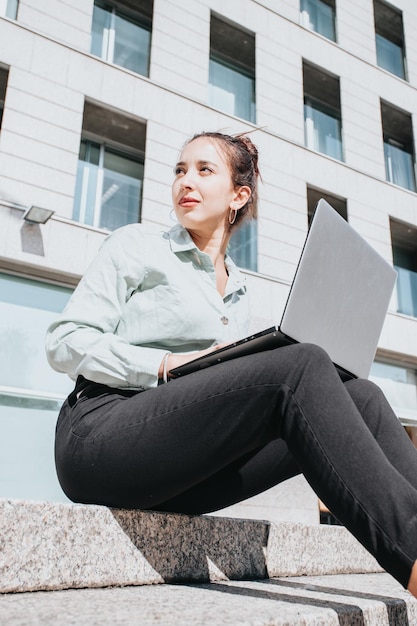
(242, 158)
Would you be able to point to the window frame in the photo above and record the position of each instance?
(389, 27)
(4, 77)
(9, 8)
(47, 397)
(321, 91)
(317, 106)
(314, 194)
(407, 417)
(404, 245)
(305, 17)
(125, 12)
(397, 134)
(225, 36)
(114, 148)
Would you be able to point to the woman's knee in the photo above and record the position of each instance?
(312, 355)
(363, 392)
(309, 361)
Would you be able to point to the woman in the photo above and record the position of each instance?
(150, 302)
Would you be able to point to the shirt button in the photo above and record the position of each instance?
(225, 320)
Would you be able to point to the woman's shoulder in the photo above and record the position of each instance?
(135, 236)
(137, 231)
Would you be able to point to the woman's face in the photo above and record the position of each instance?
(202, 191)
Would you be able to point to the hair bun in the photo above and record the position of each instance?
(251, 148)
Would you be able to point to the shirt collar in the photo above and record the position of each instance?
(236, 279)
(181, 240)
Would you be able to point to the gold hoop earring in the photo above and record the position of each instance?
(232, 220)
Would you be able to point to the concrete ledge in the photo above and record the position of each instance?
(344, 600)
(300, 550)
(48, 546)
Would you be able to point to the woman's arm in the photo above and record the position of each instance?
(84, 340)
(171, 361)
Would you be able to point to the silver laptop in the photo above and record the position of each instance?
(338, 300)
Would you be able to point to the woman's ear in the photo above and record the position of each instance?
(241, 197)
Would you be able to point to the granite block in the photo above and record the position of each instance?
(299, 550)
(50, 546)
(46, 546)
(354, 600)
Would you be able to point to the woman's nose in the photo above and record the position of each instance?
(187, 181)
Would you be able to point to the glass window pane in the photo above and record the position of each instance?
(399, 166)
(89, 151)
(123, 165)
(243, 246)
(320, 17)
(26, 309)
(131, 46)
(86, 183)
(85, 193)
(122, 187)
(231, 91)
(390, 56)
(27, 467)
(399, 385)
(407, 291)
(100, 31)
(406, 259)
(11, 9)
(323, 132)
(31, 392)
(107, 195)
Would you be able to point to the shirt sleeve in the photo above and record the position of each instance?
(84, 341)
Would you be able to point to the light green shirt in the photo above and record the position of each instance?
(144, 294)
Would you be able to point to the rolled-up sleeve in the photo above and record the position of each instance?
(84, 340)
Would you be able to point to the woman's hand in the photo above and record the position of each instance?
(175, 360)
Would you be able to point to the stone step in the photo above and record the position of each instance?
(341, 600)
(50, 546)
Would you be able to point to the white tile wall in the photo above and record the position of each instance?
(68, 22)
(409, 23)
(52, 72)
(180, 47)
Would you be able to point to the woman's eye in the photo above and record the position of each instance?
(178, 170)
(206, 169)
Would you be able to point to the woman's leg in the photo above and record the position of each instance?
(248, 476)
(146, 450)
(385, 427)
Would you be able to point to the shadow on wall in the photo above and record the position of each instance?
(32, 240)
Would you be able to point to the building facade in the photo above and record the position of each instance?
(96, 99)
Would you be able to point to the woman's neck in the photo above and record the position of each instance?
(214, 246)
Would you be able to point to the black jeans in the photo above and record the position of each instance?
(226, 433)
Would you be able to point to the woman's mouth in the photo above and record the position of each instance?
(188, 201)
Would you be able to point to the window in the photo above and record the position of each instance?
(31, 393)
(398, 146)
(121, 33)
(232, 69)
(389, 34)
(9, 8)
(399, 384)
(404, 252)
(108, 189)
(319, 15)
(4, 75)
(314, 195)
(243, 246)
(322, 112)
